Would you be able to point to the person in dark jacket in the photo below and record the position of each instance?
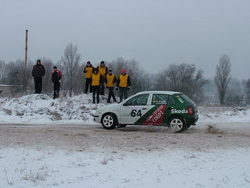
(56, 77)
(124, 85)
(38, 72)
(95, 83)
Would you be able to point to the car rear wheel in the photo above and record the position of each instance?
(109, 121)
(177, 124)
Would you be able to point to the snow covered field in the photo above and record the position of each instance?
(56, 143)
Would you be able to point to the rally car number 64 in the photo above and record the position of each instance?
(157, 108)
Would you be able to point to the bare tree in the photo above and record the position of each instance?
(47, 84)
(222, 77)
(15, 73)
(80, 81)
(140, 81)
(210, 94)
(183, 78)
(2, 70)
(235, 94)
(198, 86)
(159, 81)
(143, 82)
(248, 91)
(180, 77)
(70, 62)
(117, 65)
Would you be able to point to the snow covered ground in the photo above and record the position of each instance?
(214, 153)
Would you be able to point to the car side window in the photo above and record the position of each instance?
(162, 99)
(171, 100)
(138, 100)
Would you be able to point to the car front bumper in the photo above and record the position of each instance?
(97, 117)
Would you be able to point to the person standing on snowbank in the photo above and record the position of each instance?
(38, 72)
(124, 85)
(110, 81)
(95, 83)
(103, 70)
(88, 71)
(56, 77)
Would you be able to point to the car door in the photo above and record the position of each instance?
(159, 110)
(133, 109)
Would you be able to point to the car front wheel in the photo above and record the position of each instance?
(177, 124)
(109, 121)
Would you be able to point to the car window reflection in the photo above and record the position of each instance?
(139, 100)
(162, 99)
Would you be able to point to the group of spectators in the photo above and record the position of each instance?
(96, 80)
(38, 72)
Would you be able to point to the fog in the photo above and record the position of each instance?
(154, 33)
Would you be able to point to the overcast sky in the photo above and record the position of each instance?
(156, 33)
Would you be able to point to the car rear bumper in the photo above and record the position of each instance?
(191, 120)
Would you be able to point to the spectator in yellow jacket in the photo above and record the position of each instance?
(88, 69)
(123, 83)
(110, 81)
(103, 70)
(95, 83)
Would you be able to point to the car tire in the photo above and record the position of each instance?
(177, 124)
(109, 121)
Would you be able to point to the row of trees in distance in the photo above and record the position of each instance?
(223, 89)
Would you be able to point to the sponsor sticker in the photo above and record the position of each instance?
(175, 111)
(180, 99)
(157, 116)
(135, 107)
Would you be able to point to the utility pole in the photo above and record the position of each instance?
(25, 64)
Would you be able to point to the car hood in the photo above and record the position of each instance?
(109, 108)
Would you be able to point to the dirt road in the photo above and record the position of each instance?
(131, 138)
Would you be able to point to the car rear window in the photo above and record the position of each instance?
(183, 98)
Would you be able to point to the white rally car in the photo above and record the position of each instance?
(158, 108)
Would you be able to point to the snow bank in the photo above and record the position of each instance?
(43, 109)
(40, 108)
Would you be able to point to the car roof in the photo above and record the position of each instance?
(159, 92)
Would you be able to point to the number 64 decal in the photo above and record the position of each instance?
(135, 112)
